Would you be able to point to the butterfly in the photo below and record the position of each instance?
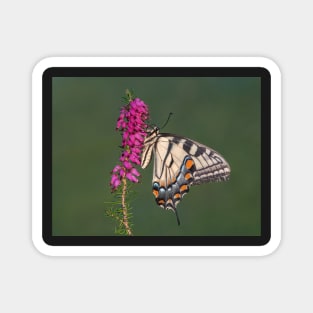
(179, 162)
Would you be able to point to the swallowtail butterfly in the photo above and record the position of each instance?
(180, 162)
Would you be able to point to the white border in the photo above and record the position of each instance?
(156, 62)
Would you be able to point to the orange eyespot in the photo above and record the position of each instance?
(188, 176)
(183, 188)
(155, 192)
(189, 164)
(177, 196)
(161, 201)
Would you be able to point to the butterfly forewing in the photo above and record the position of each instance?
(179, 163)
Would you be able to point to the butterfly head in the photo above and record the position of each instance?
(152, 131)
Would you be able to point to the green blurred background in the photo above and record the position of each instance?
(223, 113)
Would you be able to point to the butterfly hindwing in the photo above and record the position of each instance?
(179, 163)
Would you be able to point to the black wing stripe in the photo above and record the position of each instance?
(176, 140)
(187, 146)
(200, 150)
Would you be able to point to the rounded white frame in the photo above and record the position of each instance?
(266, 63)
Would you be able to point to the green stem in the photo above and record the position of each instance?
(124, 207)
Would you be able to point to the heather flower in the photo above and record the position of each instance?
(132, 125)
(132, 177)
(115, 181)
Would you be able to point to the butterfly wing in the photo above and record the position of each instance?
(210, 166)
(179, 163)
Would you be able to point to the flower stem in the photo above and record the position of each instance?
(124, 207)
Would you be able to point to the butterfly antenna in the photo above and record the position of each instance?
(168, 118)
(178, 221)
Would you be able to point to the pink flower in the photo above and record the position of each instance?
(122, 172)
(136, 151)
(132, 124)
(132, 178)
(135, 172)
(134, 158)
(127, 165)
(116, 168)
(115, 182)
